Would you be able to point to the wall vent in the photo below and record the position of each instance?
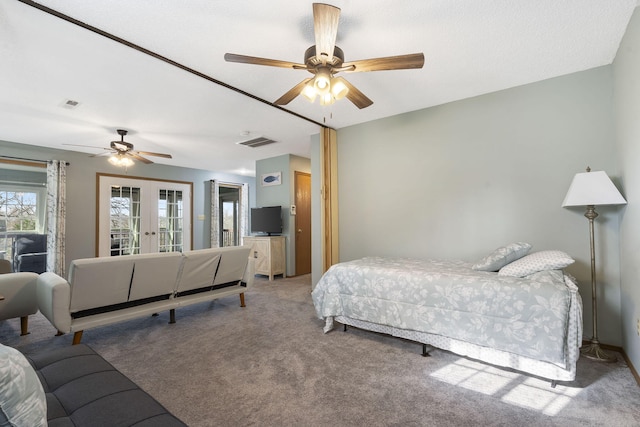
(257, 142)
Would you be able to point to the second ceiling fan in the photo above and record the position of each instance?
(324, 60)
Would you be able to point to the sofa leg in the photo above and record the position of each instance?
(77, 337)
(242, 300)
(24, 325)
(172, 315)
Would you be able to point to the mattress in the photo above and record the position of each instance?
(447, 304)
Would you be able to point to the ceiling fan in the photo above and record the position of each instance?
(324, 60)
(121, 151)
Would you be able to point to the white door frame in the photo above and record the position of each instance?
(149, 190)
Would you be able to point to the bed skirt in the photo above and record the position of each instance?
(492, 356)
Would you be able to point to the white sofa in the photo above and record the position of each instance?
(19, 297)
(102, 291)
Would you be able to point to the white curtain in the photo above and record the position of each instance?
(215, 214)
(243, 212)
(56, 215)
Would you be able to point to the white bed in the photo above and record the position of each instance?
(516, 318)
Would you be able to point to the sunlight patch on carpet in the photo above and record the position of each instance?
(510, 387)
(534, 394)
(475, 376)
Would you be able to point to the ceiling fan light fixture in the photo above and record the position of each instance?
(338, 88)
(120, 160)
(309, 92)
(322, 82)
(327, 99)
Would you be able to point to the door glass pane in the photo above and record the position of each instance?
(124, 220)
(230, 220)
(170, 221)
(229, 223)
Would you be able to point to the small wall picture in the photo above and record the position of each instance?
(273, 178)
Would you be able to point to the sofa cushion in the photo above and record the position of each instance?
(233, 263)
(98, 282)
(198, 269)
(22, 399)
(83, 389)
(154, 274)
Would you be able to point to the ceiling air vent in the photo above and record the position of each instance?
(257, 142)
(69, 103)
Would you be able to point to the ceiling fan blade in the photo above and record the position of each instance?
(358, 98)
(244, 59)
(292, 93)
(400, 62)
(325, 27)
(149, 153)
(106, 153)
(138, 157)
(87, 146)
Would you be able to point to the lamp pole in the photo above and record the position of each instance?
(593, 350)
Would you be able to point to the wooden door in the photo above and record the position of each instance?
(303, 222)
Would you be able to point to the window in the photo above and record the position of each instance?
(22, 210)
(19, 210)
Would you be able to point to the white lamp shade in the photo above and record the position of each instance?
(338, 88)
(309, 91)
(120, 160)
(592, 188)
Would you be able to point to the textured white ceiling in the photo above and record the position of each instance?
(470, 47)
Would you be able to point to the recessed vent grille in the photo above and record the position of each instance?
(69, 103)
(257, 142)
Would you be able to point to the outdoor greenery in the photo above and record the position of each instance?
(18, 211)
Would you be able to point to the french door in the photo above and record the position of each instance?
(137, 216)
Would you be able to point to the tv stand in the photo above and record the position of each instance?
(270, 254)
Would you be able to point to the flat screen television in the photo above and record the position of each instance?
(266, 220)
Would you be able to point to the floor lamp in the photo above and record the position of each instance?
(591, 189)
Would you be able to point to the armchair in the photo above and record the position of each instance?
(30, 253)
(20, 300)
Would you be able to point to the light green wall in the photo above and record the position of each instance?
(461, 179)
(282, 195)
(81, 192)
(627, 111)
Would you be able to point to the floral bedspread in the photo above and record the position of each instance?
(526, 316)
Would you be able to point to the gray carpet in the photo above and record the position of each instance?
(269, 364)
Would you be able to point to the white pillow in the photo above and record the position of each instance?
(537, 261)
(22, 399)
(502, 256)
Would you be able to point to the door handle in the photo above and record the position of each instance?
(299, 230)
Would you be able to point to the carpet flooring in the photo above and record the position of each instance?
(269, 364)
